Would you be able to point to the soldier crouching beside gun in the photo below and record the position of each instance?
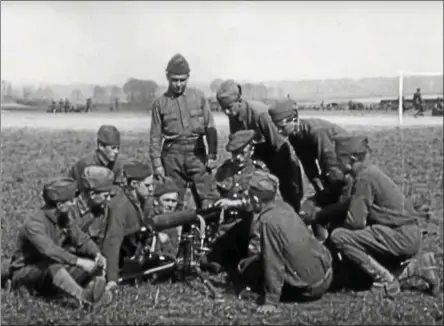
(42, 264)
(379, 230)
(231, 183)
(290, 259)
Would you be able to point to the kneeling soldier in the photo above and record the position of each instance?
(41, 261)
(381, 229)
(289, 254)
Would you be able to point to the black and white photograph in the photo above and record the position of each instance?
(222, 162)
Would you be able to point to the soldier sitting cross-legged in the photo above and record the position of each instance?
(42, 262)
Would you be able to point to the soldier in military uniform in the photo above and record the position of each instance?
(271, 148)
(417, 103)
(380, 233)
(42, 261)
(106, 155)
(90, 210)
(290, 259)
(237, 236)
(181, 118)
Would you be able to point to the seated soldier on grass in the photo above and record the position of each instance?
(106, 155)
(42, 263)
(90, 209)
(290, 259)
(237, 235)
(379, 232)
(127, 217)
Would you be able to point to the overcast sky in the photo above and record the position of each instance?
(107, 42)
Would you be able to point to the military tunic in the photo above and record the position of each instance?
(380, 221)
(96, 158)
(314, 145)
(290, 255)
(272, 149)
(42, 249)
(125, 218)
(181, 123)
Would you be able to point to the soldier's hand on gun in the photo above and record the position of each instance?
(87, 265)
(225, 203)
(159, 172)
(163, 237)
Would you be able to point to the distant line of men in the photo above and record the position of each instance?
(273, 238)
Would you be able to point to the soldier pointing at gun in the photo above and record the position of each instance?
(181, 118)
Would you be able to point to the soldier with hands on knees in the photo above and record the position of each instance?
(181, 119)
(42, 262)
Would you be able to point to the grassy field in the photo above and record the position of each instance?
(413, 157)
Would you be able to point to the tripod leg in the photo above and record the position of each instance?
(207, 283)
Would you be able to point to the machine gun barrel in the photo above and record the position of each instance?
(174, 219)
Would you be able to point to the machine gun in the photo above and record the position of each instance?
(199, 229)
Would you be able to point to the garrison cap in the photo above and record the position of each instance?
(137, 170)
(178, 65)
(165, 187)
(228, 93)
(60, 190)
(97, 178)
(109, 135)
(282, 110)
(239, 140)
(263, 185)
(350, 144)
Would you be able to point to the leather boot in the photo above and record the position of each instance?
(424, 266)
(384, 282)
(95, 292)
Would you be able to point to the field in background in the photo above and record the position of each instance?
(37, 146)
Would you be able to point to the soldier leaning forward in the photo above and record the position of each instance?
(90, 209)
(314, 144)
(231, 183)
(42, 262)
(181, 118)
(271, 148)
(290, 259)
(106, 155)
(380, 232)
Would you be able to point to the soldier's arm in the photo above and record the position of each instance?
(327, 157)
(35, 232)
(113, 240)
(210, 129)
(360, 202)
(270, 132)
(155, 135)
(272, 257)
(82, 242)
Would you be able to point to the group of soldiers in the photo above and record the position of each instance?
(273, 239)
(67, 106)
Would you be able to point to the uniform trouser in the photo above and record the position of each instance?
(39, 277)
(231, 245)
(184, 161)
(285, 165)
(389, 246)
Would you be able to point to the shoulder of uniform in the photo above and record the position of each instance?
(258, 107)
(260, 165)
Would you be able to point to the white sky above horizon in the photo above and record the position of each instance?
(108, 42)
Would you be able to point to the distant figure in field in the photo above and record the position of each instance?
(417, 102)
(88, 105)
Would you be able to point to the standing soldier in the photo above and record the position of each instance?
(181, 118)
(88, 105)
(106, 155)
(42, 262)
(380, 232)
(290, 257)
(417, 102)
(270, 147)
